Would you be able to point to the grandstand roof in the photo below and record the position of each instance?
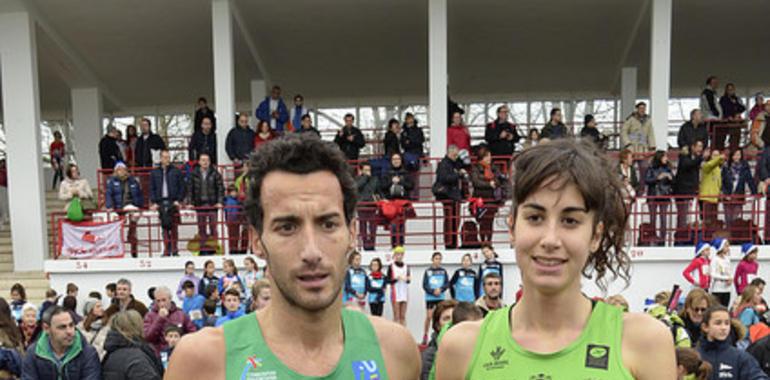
(157, 54)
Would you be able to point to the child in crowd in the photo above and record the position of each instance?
(192, 304)
(236, 231)
(728, 361)
(376, 287)
(189, 275)
(748, 267)
(51, 298)
(464, 283)
(689, 365)
(18, 299)
(399, 277)
(260, 295)
(701, 264)
(355, 282)
(490, 264)
(172, 334)
(749, 307)
(251, 275)
(209, 278)
(721, 273)
(210, 316)
(435, 282)
(232, 305)
(230, 277)
(109, 292)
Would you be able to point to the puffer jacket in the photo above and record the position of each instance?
(128, 360)
(729, 362)
(114, 197)
(637, 134)
(81, 362)
(215, 187)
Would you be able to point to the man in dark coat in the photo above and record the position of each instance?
(500, 135)
(146, 144)
(202, 111)
(350, 139)
(109, 151)
(204, 141)
(448, 190)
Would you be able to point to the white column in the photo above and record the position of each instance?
(627, 91)
(258, 94)
(437, 76)
(87, 119)
(660, 69)
(21, 105)
(224, 74)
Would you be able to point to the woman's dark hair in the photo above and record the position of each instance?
(657, 159)
(251, 259)
(709, 79)
(131, 128)
(440, 309)
(390, 159)
(57, 134)
(206, 264)
(728, 86)
(393, 122)
(352, 256)
(562, 162)
(231, 262)
(482, 151)
(262, 123)
(435, 254)
(298, 155)
(692, 363)
(70, 303)
(19, 288)
(732, 153)
(378, 261)
(68, 173)
(535, 131)
(710, 312)
(7, 324)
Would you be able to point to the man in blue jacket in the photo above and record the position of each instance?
(124, 191)
(273, 110)
(166, 194)
(61, 352)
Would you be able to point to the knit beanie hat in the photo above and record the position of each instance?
(702, 246)
(747, 248)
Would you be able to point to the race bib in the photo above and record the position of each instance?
(196, 314)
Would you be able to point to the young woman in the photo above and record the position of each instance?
(11, 349)
(721, 279)
(131, 137)
(736, 176)
(628, 176)
(93, 327)
(490, 264)
(251, 275)
(464, 283)
(189, 275)
(397, 184)
(208, 278)
(264, 134)
(696, 303)
(568, 219)
(74, 186)
(750, 300)
(435, 282)
(355, 282)
(399, 277)
(700, 263)
(57, 152)
(689, 365)
(533, 138)
(728, 361)
(392, 141)
(376, 287)
(748, 267)
(487, 185)
(230, 277)
(18, 299)
(659, 179)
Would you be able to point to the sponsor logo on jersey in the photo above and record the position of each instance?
(597, 356)
(254, 371)
(497, 361)
(366, 370)
(540, 376)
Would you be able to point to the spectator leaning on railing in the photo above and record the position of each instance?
(167, 189)
(687, 180)
(124, 194)
(206, 192)
(74, 186)
(693, 129)
(448, 191)
(732, 106)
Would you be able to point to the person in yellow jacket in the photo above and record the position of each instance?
(711, 185)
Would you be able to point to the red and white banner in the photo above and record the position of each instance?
(90, 240)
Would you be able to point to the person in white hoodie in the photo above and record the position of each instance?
(721, 273)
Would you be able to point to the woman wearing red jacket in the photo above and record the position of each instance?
(264, 134)
(458, 134)
(700, 263)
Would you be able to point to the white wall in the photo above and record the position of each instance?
(654, 269)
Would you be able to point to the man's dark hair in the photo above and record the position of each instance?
(72, 288)
(210, 307)
(435, 254)
(299, 96)
(298, 154)
(555, 110)
(95, 294)
(489, 276)
(758, 282)
(692, 113)
(204, 118)
(232, 292)
(305, 116)
(113, 287)
(349, 115)
(710, 78)
(500, 108)
(70, 303)
(51, 312)
(202, 99)
(172, 328)
(188, 285)
(640, 104)
(146, 120)
(466, 311)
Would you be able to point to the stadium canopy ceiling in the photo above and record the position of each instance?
(151, 55)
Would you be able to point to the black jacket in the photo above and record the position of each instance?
(729, 362)
(481, 187)
(412, 139)
(239, 143)
(200, 114)
(760, 350)
(687, 179)
(351, 149)
(448, 174)
(368, 188)
(552, 132)
(731, 106)
(311, 130)
(203, 143)
(215, 188)
(174, 182)
(400, 191)
(143, 154)
(392, 144)
(688, 134)
(498, 146)
(128, 360)
(109, 152)
(656, 186)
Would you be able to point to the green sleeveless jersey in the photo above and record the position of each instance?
(595, 355)
(249, 358)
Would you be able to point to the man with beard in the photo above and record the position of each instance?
(491, 299)
(301, 208)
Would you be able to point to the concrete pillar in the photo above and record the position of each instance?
(224, 73)
(627, 91)
(437, 76)
(258, 94)
(87, 119)
(660, 69)
(21, 105)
